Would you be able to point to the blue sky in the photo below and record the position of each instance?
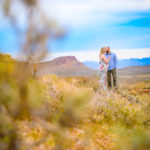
(123, 25)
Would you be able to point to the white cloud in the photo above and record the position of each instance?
(93, 55)
(133, 53)
(84, 12)
(78, 12)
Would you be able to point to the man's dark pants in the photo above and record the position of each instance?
(112, 74)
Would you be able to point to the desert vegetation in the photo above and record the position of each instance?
(64, 113)
(52, 112)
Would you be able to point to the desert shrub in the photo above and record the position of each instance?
(45, 101)
(114, 111)
(65, 97)
(132, 139)
(84, 82)
(52, 112)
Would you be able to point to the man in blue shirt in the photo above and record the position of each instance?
(111, 74)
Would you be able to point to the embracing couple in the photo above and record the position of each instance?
(107, 71)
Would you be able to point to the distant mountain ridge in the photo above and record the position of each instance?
(122, 63)
(135, 70)
(70, 66)
(64, 66)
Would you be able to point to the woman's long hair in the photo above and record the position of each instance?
(102, 51)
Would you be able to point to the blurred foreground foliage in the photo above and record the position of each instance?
(52, 107)
(53, 112)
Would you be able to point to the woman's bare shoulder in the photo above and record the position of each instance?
(102, 56)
